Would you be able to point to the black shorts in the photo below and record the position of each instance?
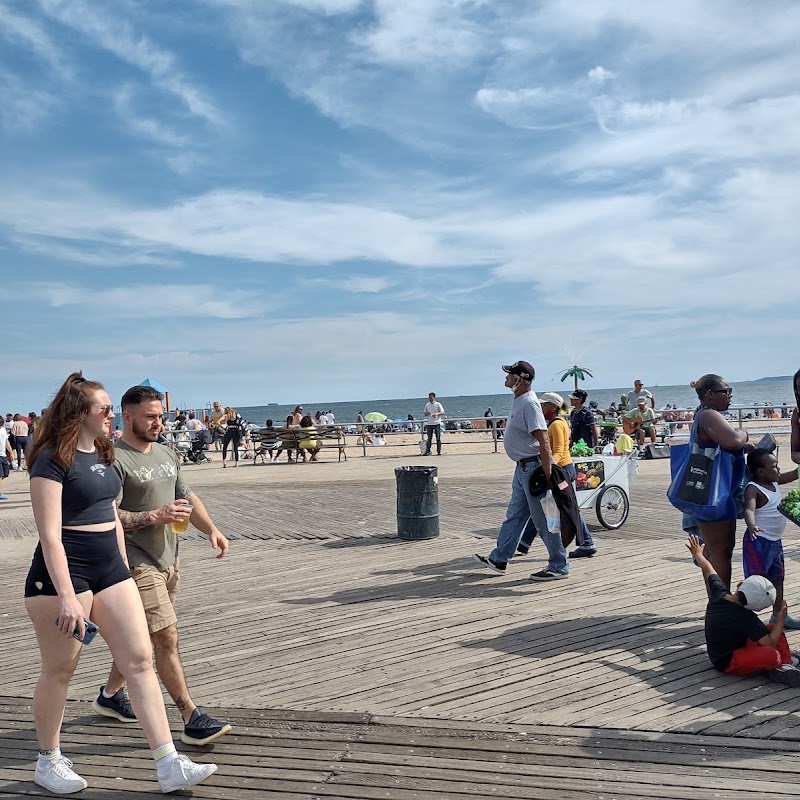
(94, 560)
(4, 467)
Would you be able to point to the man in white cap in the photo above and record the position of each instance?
(526, 443)
(738, 642)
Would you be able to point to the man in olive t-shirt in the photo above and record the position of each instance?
(154, 496)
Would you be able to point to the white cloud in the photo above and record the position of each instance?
(364, 284)
(22, 107)
(117, 37)
(598, 75)
(22, 30)
(148, 127)
(172, 300)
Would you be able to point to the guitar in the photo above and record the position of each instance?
(631, 426)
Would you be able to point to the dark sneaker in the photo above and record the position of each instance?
(522, 549)
(583, 552)
(495, 566)
(547, 575)
(116, 707)
(785, 674)
(202, 729)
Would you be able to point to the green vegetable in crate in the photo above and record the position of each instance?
(581, 449)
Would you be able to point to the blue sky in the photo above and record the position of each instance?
(344, 199)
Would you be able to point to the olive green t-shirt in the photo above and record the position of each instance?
(149, 481)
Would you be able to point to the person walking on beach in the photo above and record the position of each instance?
(581, 420)
(558, 436)
(526, 443)
(433, 413)
(6, 457)
(639, 391)
(711, 430)
(234, 429)
(216, 423)
(21, 438)
(80, 570)
(794, 421)
(153, 496)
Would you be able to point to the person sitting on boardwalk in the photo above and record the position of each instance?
(738, 642)
(762, 548)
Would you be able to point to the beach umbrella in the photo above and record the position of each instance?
(375, 416)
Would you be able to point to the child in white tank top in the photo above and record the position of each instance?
(762, 549)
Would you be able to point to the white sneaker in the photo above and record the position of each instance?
(182, 773)
(57, 776)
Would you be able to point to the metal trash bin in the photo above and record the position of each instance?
(417, 502)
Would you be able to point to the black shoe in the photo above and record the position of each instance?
(116, 707)
(522, 549)
(202, 729)
(495, 566)
(545, 575)
(583, 552)
(785, 674)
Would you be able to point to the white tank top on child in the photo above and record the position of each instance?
(768, 518)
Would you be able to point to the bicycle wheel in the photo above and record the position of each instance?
(612, 507)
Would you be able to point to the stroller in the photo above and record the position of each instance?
(199, 444)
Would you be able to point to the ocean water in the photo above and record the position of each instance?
(745, 394)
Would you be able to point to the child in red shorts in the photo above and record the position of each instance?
(738, 642)
(762, 549)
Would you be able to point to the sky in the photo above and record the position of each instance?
(264, 200)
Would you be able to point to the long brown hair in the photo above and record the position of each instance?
(59, 426)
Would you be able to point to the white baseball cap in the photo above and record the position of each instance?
(758, 592)
(551, 397)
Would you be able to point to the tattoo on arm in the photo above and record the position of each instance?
(131, 520)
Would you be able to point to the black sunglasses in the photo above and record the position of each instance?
(727, 391)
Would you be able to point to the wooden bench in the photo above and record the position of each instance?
(326, 436)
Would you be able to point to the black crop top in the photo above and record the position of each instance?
(90, 487)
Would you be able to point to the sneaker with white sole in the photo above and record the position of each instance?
(182, 773)
(202, 729)
(57, 776)
(787, 674)
(495, 566)
(547, 575)
(117, 706)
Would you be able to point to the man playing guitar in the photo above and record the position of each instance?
(640, 421)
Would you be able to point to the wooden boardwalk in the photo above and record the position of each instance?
(301, 756)
(320, 611)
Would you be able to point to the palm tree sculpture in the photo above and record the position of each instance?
(576, 372)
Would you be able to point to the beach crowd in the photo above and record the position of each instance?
(109, 503)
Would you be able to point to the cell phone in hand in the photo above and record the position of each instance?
(91, 631)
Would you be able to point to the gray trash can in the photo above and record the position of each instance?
(417, 502)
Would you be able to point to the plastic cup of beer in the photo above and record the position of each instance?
(182, 525)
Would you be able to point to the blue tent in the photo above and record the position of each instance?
(157, 386)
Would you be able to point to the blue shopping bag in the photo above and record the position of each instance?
(704, 480)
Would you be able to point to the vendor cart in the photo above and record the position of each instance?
(603, 482)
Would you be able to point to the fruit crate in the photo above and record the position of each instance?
(790, 506)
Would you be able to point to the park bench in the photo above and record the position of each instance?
(326, 436)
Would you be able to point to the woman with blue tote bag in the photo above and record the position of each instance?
(716, 449)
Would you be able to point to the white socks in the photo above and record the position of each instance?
(164, 756)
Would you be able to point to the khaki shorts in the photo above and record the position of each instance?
(158, 591)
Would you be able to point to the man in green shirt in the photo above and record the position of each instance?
(154, 495)
(640, 421)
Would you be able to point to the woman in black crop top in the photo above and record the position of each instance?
(79, 571)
